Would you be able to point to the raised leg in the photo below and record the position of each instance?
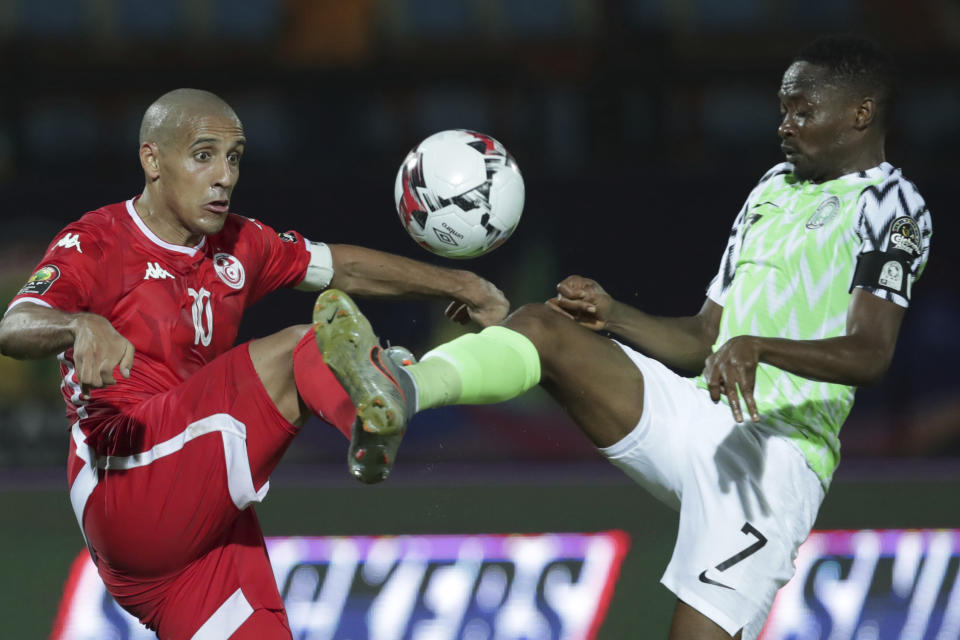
(589, 375)
(382, 395)
(272, 358)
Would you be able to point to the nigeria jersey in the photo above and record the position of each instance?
(787, 272)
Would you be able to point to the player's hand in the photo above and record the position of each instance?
(732, 371)
(584, 301)
(97, 350)
(486, 305)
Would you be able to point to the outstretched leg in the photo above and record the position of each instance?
(382, 396)
(272, 358)
(299, 383)
(335, 369)
(589, 375)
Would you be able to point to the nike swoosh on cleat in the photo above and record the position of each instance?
(331, 318)
(376, 358)
(704, 579)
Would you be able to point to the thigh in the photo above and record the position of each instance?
(201, 453)
(655, 451)
(586, 373)
(749, 501)
(264, 624)
(230, 591)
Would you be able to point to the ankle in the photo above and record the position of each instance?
(435, 382)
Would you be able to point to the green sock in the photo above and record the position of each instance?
(494, 365)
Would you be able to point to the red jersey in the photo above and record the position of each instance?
(179, 306)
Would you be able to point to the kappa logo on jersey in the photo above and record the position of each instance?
(70, 241)
(905, 235)
(202, 309)
(41, 280)
(230, 270)
(826, 212)
(155, 271)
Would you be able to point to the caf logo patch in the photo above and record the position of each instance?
(41, 280)
(905, 235)
(826, 212)
(891, 276)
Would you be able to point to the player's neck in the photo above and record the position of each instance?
(164, 223)
(866, 159)
(870, 158)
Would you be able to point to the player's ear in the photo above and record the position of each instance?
(865, 113)
(150, 160)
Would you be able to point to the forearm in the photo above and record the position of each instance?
(682, 343)
(367, 272)
(32, 331)
(849, 360)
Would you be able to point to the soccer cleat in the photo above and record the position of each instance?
(371, 455)
(383, 394)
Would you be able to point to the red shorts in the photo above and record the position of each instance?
(171, 528)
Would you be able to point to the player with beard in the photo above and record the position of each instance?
(806, 306)
(174, 431)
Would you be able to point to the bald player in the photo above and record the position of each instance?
(174, 431)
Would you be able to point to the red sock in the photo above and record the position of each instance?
(319, 388)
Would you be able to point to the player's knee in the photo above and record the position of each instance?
(295, 333)
(276, 351)
(284, 341)
(540, 324)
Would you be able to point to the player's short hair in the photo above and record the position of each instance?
(857, 63)
(169, 111)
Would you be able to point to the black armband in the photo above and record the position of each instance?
(887, 270)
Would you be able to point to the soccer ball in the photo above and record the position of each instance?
(459, 193)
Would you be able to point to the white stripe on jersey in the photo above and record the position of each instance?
(36, 301)
(232, 432)
(72, 385)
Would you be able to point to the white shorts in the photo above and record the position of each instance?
(746, 497)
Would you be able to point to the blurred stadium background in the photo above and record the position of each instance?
(639, 125)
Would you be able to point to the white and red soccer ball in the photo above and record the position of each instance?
(459, 193)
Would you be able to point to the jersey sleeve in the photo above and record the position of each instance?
(894, 227)
(284, 258)
(720, 285)
(66, 276)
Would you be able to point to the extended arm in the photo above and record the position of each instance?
(683, 342)
(33, 331)
(367, 272)
(859, 358)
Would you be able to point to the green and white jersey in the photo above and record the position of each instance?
(787, 272)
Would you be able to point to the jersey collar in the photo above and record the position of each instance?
(155, 239)
(880, 171)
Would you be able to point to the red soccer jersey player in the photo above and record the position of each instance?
(171, 446)
(180, 306)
